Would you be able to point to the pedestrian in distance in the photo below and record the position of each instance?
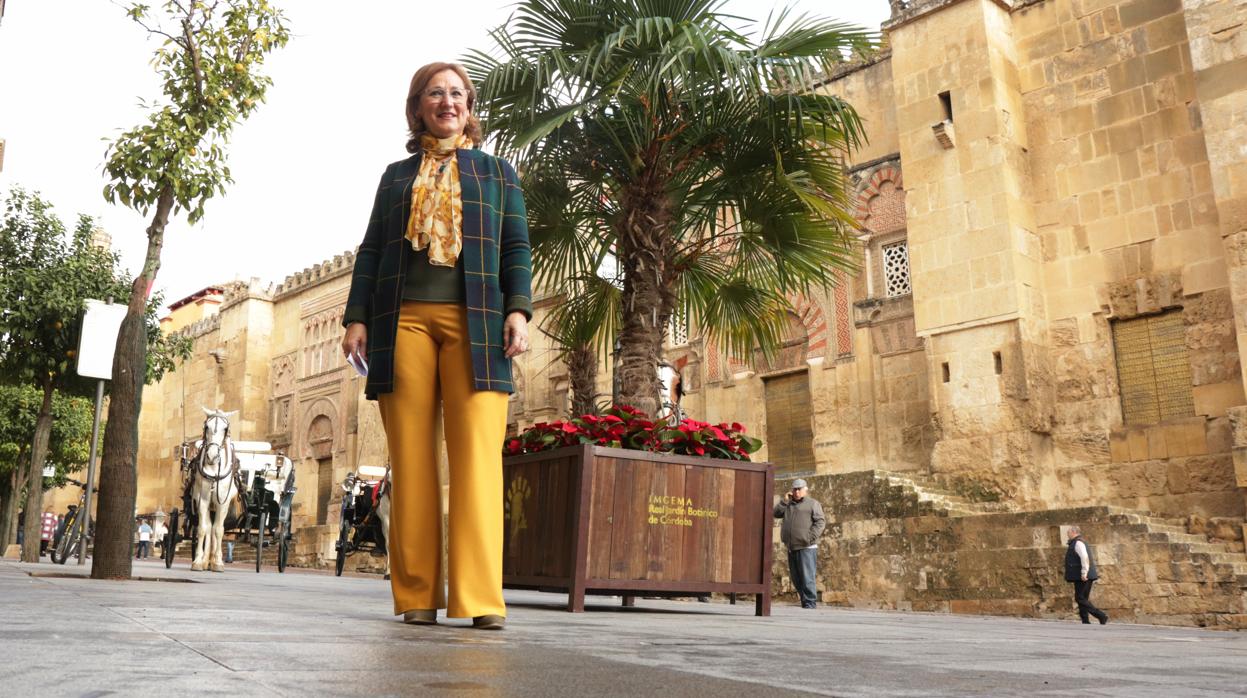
(803, 524)
(145, 539)
(1081, 571)
(47, 530)
(159, 531)
(439, 303)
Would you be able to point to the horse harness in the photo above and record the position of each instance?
(203, 458)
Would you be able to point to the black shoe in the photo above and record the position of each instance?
(1103, 619)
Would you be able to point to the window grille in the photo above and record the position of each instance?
(896, 269)
(678, 328)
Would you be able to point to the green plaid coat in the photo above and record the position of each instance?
(497, 266)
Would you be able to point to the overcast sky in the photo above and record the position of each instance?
(305, 164)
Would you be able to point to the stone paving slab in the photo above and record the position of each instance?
(240, 633)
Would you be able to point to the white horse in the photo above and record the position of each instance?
(213, 488)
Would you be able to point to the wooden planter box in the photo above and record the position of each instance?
(595, 520)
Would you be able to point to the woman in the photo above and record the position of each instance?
(439, 303)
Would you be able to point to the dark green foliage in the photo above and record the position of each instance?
(706, 161)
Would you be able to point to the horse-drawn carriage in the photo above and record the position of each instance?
(365, 522)
(241, 487)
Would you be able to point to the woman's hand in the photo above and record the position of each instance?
(355, 341)
(515, 334)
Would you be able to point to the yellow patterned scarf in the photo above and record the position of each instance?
(436, 219)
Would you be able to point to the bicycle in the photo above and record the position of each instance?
(71, 534)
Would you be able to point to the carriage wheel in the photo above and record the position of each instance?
(69, 541)
(171, 539)
(344, 533)
(259, 541)
(54, 550)
(283, 545)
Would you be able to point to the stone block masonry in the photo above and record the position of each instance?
(894, 543)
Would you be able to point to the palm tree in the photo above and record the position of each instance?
(703, 160)
(584, 326)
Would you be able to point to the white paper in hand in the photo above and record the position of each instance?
(358, 363)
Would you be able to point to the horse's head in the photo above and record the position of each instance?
(216, 426)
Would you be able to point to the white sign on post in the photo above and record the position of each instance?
(99, 339)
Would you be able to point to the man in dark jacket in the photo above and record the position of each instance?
(1080, 569)
(803, 524)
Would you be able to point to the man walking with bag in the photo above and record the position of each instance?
(1080, 569)
(803, 524)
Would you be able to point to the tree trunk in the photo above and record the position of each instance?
(645, 251)
(582, 369)
(8, 509)
(19, 485)
(34, 475)
(6, 500)
(114, 540)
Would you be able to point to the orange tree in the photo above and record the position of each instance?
(46, 274)
(67, 447)
(210, 64)
(704, 160)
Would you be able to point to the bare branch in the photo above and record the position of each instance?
(152, 30)
(149, 29)
(193, 48)
(243, 49)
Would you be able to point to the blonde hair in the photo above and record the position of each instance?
(419, 81)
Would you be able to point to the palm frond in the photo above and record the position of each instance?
(589, 317)
(597, 100)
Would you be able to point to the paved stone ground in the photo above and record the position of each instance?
(242, 633)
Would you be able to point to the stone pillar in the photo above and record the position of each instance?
(1217, 31)
(975, 257)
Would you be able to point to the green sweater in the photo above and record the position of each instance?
(433, 283)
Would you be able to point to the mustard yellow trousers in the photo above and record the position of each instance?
(432, 365)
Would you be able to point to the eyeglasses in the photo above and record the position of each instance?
(437, 94)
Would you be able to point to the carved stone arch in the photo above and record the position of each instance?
(880, 201)
(319, 408)
(320, 437)
(794, 350)
(814, 319)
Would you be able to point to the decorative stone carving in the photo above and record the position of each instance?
(320, 437)
(283, 375)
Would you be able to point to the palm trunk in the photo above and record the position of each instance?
(582, 369)
(34, 475)
(648, 293)
(118, 464)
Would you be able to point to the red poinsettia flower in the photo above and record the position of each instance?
(628, 427)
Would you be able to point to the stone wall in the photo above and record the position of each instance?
(891, 544)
